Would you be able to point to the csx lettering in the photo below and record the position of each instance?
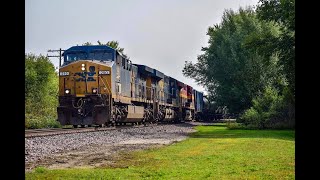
(83, 76)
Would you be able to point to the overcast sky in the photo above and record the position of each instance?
(162, 34)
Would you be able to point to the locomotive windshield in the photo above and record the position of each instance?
(103, 55)
(75, 56)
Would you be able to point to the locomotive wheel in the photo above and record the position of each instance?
(83, 126)
(75, 126)
(118, 118)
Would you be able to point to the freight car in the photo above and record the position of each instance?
(99, 86)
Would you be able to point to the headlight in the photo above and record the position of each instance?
(94, 90)
(67, 91)
(83, 68)
(82, 65)
(64, 73)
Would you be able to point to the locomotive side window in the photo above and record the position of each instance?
(142, 91)
(123, 63)
(127, 64)
(118, 59)
(130, 65)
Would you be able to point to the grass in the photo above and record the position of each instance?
(214, 152)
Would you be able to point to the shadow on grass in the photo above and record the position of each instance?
(221, 131)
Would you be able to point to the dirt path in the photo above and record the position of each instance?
(89, 157)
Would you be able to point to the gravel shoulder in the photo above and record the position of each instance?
(98, 149)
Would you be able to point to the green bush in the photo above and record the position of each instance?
(32, 122)
(53, 123)
(268, 111)
(37, 122)
(41, 93)
(235, 125)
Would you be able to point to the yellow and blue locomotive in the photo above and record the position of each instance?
(99, 86)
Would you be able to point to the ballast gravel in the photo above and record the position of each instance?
(38, 149)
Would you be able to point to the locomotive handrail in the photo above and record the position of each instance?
(108, 87)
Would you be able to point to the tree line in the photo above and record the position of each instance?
(249, 64)
(41, 92)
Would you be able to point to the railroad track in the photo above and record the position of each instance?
(56, 131)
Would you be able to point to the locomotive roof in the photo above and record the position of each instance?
(89, 48)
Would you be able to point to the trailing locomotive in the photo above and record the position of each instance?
(99, 86)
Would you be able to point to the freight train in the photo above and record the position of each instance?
(100, 86)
